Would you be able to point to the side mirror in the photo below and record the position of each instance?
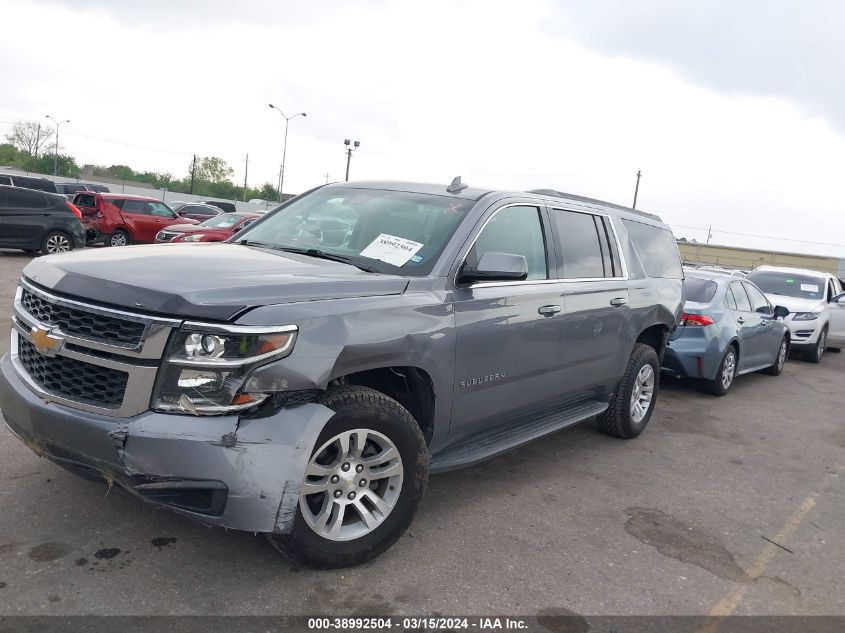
(781, 312)
(496, 267)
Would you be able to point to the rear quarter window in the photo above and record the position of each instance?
(699, 290)
(657, 249)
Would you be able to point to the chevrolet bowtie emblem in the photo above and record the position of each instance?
(44, 342)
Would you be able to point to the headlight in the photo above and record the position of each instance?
(805, 316)
(206, 366)
(195, 237)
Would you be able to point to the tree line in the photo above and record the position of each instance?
(31, 146)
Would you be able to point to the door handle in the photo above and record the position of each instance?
(548, 310)
(740, 320)
(618, 302)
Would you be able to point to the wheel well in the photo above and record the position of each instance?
(655, 336)
(409, 386)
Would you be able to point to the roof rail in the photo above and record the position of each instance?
(560, 194)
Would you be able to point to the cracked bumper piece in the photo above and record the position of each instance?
(240, 474)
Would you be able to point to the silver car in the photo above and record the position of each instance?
(728, 328)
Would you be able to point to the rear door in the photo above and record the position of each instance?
(25, 218)
(596, 339)
(136, 215)
(747, 324)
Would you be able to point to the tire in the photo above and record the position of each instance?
(56, 242)
(385, 420)
(118, 238)
(818, 351)
(780, 359)
(726, 374)
(619, 419)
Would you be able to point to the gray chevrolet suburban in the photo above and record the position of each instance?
(303, 379)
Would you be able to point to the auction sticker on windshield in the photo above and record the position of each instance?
(809, 288)
(391, 249)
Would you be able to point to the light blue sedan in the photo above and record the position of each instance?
(728, 328)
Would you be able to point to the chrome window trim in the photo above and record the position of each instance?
(464, 252)
(622, 261)
(491, 284)
(139, 382)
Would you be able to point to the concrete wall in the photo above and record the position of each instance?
(748, 259)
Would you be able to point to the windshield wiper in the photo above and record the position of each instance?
(314, 252)
(258, 244)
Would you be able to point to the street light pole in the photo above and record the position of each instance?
(284, 146)
(351, 146)
(56, 153)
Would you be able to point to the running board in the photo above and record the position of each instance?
(511, 435)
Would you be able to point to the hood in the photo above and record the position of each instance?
(795, 304)
(210, 280)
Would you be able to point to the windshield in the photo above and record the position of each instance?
(222, 221)
(391, 231)
(699, 290)
(789, 285)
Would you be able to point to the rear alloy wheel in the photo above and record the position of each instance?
(780, 360)
(816, 355)
(635, 397)
(725, 377)
(118, 238)
(362, 484)
(56, 242)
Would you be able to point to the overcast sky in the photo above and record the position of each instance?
(735, 112)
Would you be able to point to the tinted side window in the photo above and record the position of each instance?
(657, 249)
(514, 230)
(742, 302)
(84, 200)
(159, 210)
(23, 199)
(759, 303)
(586, 248)
(138, 207)
(5, 180)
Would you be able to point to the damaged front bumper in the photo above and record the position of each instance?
(233, 472)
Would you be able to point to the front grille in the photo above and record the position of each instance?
(73, 379)
(87, 325)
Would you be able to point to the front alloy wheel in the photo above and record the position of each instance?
(362, 484)
(818, 352)
(351, 485)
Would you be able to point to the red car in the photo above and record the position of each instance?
(118, 220)
(215, 229)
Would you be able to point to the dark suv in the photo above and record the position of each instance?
(36, 221)
(303, 379)
(28, 182)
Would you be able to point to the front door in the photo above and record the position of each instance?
(769, 335)
(508, 333)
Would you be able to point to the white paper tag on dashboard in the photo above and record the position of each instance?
(809, 288)
(391, 249)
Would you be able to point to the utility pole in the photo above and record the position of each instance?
(351, 146)
(246, 173)
(637, 189)
(709, 233)
(37, 140)
(327, 177)
(193, 173)
(285, 145)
